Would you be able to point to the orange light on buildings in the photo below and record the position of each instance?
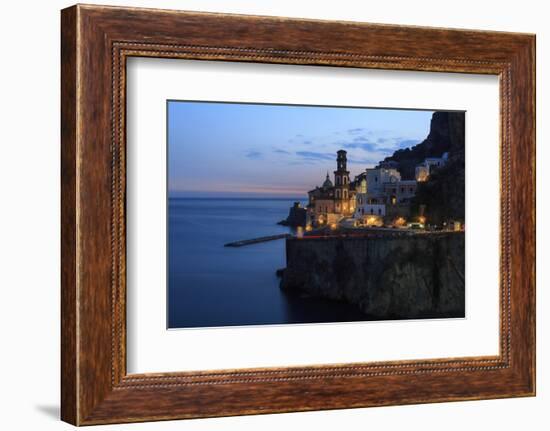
(422, 219)
(333, 226)
(400, 221)
(309, 228)
(372, 221)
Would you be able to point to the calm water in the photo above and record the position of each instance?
(213, 285)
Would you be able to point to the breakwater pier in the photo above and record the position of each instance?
(251, 241)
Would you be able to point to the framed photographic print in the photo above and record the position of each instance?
(259, 243)
(265, 214)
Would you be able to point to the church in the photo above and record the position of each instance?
(330, 202)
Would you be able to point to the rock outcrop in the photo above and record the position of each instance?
(296, 216)
(442, 196)
(405, 277)
(446, 136)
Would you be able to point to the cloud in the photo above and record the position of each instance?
(366, 146)
(313, 155)
(254, 155)
(380, 145)
(299, 140)
(303, 162)
(356, 130)
(279, 151)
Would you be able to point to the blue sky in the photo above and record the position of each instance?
(251, 150)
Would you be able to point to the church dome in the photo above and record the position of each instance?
(328, 183)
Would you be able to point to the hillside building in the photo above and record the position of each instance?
(383, 194)
(423, 170)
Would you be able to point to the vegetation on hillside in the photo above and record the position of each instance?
(443, 194)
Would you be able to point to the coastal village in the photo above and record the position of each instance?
(420, 189)
(377, 197)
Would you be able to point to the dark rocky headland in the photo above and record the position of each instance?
(399, 277)
(296, 216)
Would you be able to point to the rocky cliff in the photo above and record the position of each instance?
(387, 278)
(446, 136)
(442, 196)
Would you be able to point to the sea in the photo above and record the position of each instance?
(210, 285)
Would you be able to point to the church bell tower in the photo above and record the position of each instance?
(341, 184)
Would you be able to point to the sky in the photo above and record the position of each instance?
(254, 150)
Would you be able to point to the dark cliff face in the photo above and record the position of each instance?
(442, 195)
(446, 136)
(387, 278)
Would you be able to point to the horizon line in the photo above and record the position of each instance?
(240, 197)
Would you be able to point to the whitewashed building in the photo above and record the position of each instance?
(381, 192)
(423, 170)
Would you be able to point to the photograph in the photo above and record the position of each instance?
(299, 214)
